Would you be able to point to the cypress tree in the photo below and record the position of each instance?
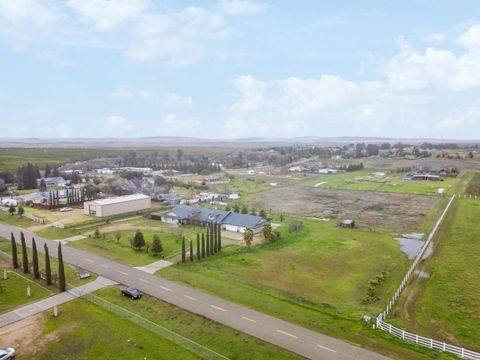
(183, 249)
(208, 241)
(219, 229)
(24, 253)
(61, 270)
(203, 245)
(36, 271)
(191, 250)
(14, 251)
(48, 270)
(212, 250)
(214, 231)
(198, 246)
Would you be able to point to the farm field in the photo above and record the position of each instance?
(397, 212)
(219, 338)
(317, 277)
(84, 331)
(446, 305)
(13, 291)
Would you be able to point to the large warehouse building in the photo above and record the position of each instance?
(117, 205)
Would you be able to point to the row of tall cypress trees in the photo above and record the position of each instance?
(210, 243)
(35, 266)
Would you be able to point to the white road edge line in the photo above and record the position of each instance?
(218, 308)
(121, 272)
(104, 266)
(165, 288)
(190, 297)
(248, 319)
(326, 348)
(286, 333)
(89, 260)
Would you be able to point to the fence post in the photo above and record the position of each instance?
(390, 328)
(416, 339)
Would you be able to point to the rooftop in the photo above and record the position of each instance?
(121, 199)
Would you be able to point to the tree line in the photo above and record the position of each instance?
(35, 269)
(208, 243)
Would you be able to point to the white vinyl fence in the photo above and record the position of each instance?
(420, 340)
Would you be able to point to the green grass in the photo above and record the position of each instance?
(15, 220)
(71, 272)
(85, 331)
(393, 182)
(317, 278)
(14, 290)
(219, 338)
(446, 306)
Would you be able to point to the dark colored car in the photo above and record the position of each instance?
(131, 293)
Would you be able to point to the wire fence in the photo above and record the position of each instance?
(192, 346)
(417, 339)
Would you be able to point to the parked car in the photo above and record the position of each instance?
(7, 353)
(131, 293)
(65, 209)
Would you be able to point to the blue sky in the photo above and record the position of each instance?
(239, 68)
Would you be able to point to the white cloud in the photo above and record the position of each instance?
(173, 99)
(435, 38)
(169, 119)
(471, 38)
(115, 124)
(412, 70)
(59, 130)
(451, 123)
(124, 93)
(108, 14)
(29, 11)
(241, 7)
(252, 93)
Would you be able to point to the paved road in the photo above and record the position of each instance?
(302, 341)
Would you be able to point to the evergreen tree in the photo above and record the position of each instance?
(21, 210)
(36, 270)
(61, 269)
(14, 251)
(138, 240)
(267, 231)
(212, 250)
(191, 250)
(248, 237)
(11, 210)
(198, 246)
(203, 245)
(236, 208)
(24, 253)
(244, 209)
(214, 232)
(156, 247)
(219, 237)
(208, 241)
(262, 214)
(183, 249)
(48, 270)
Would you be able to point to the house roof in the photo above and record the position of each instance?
(121, 199)
(213, 215)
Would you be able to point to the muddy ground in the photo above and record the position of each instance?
(397, 212)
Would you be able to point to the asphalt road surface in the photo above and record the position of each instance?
(299, 340)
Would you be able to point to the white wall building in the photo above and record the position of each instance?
(117, 205)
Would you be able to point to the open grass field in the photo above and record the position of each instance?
(13, 291)
(317, 277)
(15, 220)
(397, 212)
(84, 331)
(446, 305)
(219, 338)
(393, 182)
(71, 273)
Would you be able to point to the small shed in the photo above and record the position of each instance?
(347, 223)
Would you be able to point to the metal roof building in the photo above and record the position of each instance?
(117, 205)
(229, 220)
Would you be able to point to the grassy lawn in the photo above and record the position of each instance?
(15, 220)
(317, 277)
(393, 182)
(13, 291)
(71, 272)
(225, 341)
(446, 306)
(85, 331)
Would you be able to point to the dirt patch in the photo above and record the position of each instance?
(398, 212)
(26, 335)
